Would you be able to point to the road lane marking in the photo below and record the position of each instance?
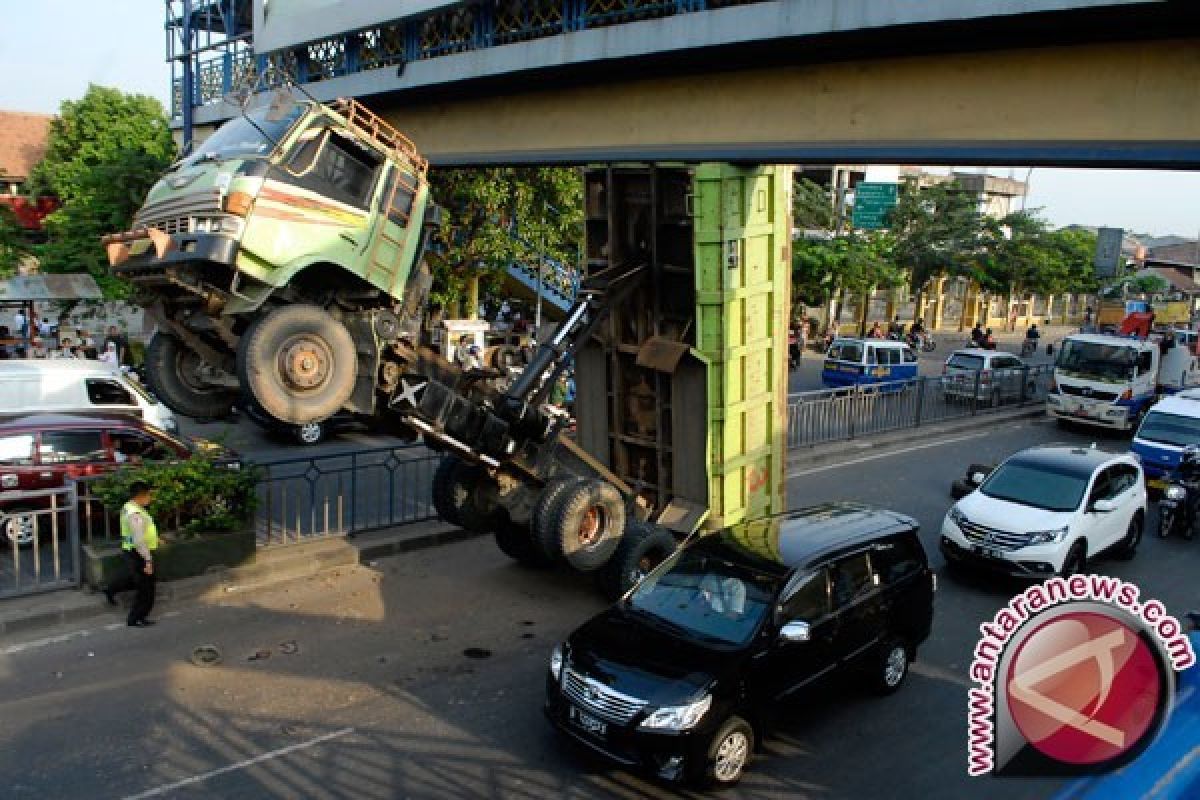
(283, 751)
(889, 454)
(46, 641)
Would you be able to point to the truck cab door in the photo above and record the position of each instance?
(394, 241)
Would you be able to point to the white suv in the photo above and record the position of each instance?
(1046, 510)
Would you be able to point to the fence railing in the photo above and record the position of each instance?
(303, 498)
(40, 541)
(830, 415)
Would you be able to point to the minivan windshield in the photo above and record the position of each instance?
(1036, 485)
(705, 596)
(1174, 429)
(242, 137)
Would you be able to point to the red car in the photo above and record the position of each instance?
(41, 451)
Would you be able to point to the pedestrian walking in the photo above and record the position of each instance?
(139, 540)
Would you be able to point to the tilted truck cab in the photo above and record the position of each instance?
(282, 259)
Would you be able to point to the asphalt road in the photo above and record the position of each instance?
(377, 661)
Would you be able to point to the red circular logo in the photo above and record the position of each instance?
(1084, 688)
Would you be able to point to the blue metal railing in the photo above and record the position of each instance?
(456, 29)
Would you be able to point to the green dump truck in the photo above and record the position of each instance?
(282, 261)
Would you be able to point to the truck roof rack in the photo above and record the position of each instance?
(371, 125)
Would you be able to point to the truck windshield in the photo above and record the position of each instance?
(705, 597)
(239, 138)
(1172, 429)
(1105, 362)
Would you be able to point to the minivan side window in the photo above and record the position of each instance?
(810, 601)
(850, 579)
(847, 351)
(108, 393)
(896, 558)
(909, 356)
(65, 447)
(17, 451)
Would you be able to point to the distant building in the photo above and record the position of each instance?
(23, 138)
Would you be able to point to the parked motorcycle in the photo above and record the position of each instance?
(1177, 508)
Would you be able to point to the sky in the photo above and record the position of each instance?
(51, 49)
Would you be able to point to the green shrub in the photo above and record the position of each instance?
(194, 495)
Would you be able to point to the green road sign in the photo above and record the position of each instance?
(872, 202)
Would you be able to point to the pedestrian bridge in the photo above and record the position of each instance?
(986, 82)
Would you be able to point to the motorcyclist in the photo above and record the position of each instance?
(1029, 346)
(989, 341)
(977, 335)
(1188, 473)
(916, 332)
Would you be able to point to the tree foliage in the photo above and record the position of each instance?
(104, 152)
(939, 231)
(13, 244)
(811, 209)
(857, 263)
(495, 216)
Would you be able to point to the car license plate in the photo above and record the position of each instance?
(987, 552)
(596, 727)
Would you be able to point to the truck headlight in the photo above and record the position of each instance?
(1048, 537)
(678, 718)
(1175, 493)
(556, 661)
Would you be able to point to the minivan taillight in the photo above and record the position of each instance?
(9, 481)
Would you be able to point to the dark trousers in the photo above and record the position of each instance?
(139, 581)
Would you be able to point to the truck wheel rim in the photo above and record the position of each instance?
(591, 529)
(731, 756)
(304, 362)
(893, 670)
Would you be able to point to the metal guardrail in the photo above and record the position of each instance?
(830, 415)
(39, 534)
(305, 498)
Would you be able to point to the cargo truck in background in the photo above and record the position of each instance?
(1111, 381)
(282, 264)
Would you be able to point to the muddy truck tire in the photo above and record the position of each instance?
(589, 519)
(516, 542)
(642, 548)
(298, 364)
(173, 372)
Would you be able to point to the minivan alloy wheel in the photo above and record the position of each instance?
(731, 756)
(895, 666)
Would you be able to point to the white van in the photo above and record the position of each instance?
(76, 386)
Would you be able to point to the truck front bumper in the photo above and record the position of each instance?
(1089, 412)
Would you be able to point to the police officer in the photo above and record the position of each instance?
(139, 540)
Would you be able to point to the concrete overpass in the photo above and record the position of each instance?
(988, 82)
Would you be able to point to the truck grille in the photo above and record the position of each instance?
(1087, 391)
(991, 537)
(202, 203)
(599, 699)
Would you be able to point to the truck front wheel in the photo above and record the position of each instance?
(298, 363)
(176, 376)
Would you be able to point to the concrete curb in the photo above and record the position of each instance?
(272, 568)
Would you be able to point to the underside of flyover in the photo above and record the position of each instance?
(1110, 104)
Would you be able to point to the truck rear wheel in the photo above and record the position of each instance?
(589, 518)
(642, 548)
(444, 490)
(543, 531)
(298, 363)
(175, 375)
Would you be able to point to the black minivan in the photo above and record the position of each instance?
(676, 678)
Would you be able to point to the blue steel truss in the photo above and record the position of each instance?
(209, 42)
